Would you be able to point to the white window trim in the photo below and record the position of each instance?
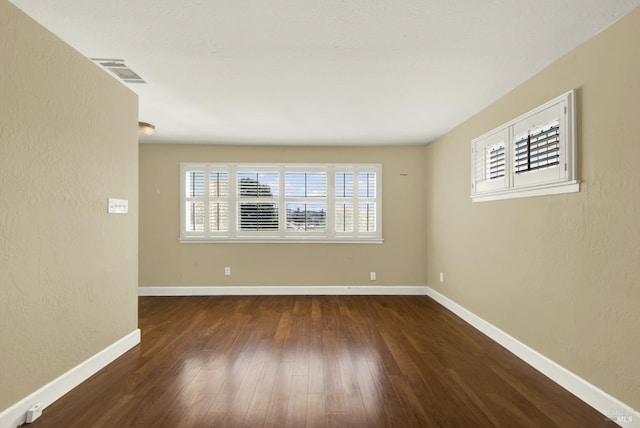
(507, 187)
(282, 235)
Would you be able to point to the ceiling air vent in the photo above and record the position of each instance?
(117, 67)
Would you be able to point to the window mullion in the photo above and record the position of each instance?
(206, 202)
(562, 139)
(378, 200)
(331, 202)
(509, 156)
(282, 203)
(233, 202)
(356, 202)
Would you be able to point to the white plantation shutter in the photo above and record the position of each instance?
(258, 203)
(488, 162)
(218, 201)
(495, 156)
(205, 207)
(257, 216)
(538, 149)
(537, 146)
(344, 202)
(367, 201)
(357, 199)
(268, 202)
(194, 204)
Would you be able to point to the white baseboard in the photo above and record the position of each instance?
(609, 406)
(16, 414)
(360, 290)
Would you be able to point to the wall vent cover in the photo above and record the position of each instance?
(117, 67)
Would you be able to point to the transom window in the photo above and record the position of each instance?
(532, 155)
(291, 202)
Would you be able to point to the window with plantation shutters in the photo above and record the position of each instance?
(205, 208)
(257, 201)
(357, 202)
(284, 202)
(306, 201)
(532, 155)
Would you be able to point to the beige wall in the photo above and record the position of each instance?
(560, 273)
(68, 271)
(165, 262)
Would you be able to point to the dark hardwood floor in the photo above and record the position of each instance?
(316, 361)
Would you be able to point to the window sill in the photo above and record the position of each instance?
(279, 241)
(525, 192)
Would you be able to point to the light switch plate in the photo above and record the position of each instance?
(118, 206)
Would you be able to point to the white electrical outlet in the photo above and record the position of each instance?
(227, 270)
(118, 206)
(441, 276)
(372, 275)
(34, 413)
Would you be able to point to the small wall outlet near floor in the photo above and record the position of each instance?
(441, 277)
(372, 275)
(34, 413)
(227, 271)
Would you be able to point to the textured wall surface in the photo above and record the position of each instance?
(560, 273)
(166, 262)
(68, 270)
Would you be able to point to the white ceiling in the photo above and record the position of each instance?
(334, 72)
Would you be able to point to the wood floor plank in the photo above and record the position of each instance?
(247, 387)
(279, 402)
(298, 400)
(314, 361)
(259, 405)
(316, 411)
(197, 410)
(316, 365)
(236, 370)
(336, 420)
(357, 416)
(334, 402)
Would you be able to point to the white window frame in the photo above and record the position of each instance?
(304, 234)
(545, 181)
(235, 201)
(282, 234)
